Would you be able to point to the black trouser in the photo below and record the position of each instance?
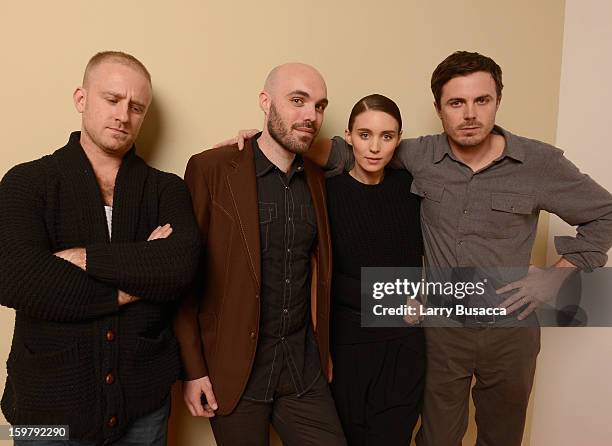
(308, 420)
(378, 389)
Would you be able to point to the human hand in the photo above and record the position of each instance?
(192, 395)
(239, 139)
(124, 298)
(160, 232)
(540, 285)
(76, 256)
(417, 317)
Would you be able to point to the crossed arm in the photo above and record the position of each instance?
(61, 286)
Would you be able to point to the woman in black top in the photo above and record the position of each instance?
(378, 373)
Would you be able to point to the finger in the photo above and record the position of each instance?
(227, 142)
(510, 300)
(527, 311)
(191, 409)
(509, 287)
(161, 232)
(193, 400)
(197, 407)
(208, 412)
(210, 397)
(153, 234)
(518, 304)
(165, 231)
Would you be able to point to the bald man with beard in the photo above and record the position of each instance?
(253, 333)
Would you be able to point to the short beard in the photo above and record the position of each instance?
(279, 131)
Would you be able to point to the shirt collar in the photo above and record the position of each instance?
(263, 165)
(512, 149)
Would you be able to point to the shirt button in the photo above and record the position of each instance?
(285, 311)
(253, 335)
(287, 281)
(110, 378)
(289, 250)
(112, 422)
(110, 335)
(289, 218)
(256, 296)
(465, 211)
(286, 187)
(282, 338)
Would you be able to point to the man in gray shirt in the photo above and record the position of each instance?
(482, 189)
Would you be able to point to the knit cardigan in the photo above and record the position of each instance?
(77, 358)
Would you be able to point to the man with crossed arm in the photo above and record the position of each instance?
(96, 247)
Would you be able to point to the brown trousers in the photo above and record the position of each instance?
(308, 420)
(503, 362)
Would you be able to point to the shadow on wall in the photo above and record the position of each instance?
(151, 132)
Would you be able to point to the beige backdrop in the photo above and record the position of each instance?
(573, 395)
(208, 61)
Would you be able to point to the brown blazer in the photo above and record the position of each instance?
(218, 324)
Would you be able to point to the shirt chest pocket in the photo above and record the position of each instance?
(267, 214)
(431, 203)
(509, 212)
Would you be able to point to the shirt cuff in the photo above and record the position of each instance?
(581, 253)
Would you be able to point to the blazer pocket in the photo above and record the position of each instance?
(431, 203)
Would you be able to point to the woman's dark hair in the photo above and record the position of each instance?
(376, 102)
(462, 63)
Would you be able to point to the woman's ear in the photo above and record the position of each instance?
(399, 139)
(347, 136)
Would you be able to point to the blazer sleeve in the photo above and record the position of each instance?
(186, 323)
(32, 279)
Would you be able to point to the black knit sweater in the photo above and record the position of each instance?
(371, 225)
(76, 357)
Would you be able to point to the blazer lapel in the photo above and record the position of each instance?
(243, 190)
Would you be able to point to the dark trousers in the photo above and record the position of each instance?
(503, 362)
(148, 430)
(308, 420)
(378, 389)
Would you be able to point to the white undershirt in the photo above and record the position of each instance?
(108, 210)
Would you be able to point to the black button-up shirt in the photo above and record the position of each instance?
(288, 231)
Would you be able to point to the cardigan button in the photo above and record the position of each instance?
(110, 335)
(112, 422)
(253, 334)
(110, 378)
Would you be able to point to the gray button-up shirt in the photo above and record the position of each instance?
(488, 219)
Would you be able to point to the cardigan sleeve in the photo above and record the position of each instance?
(159, 270)
(32, 279)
